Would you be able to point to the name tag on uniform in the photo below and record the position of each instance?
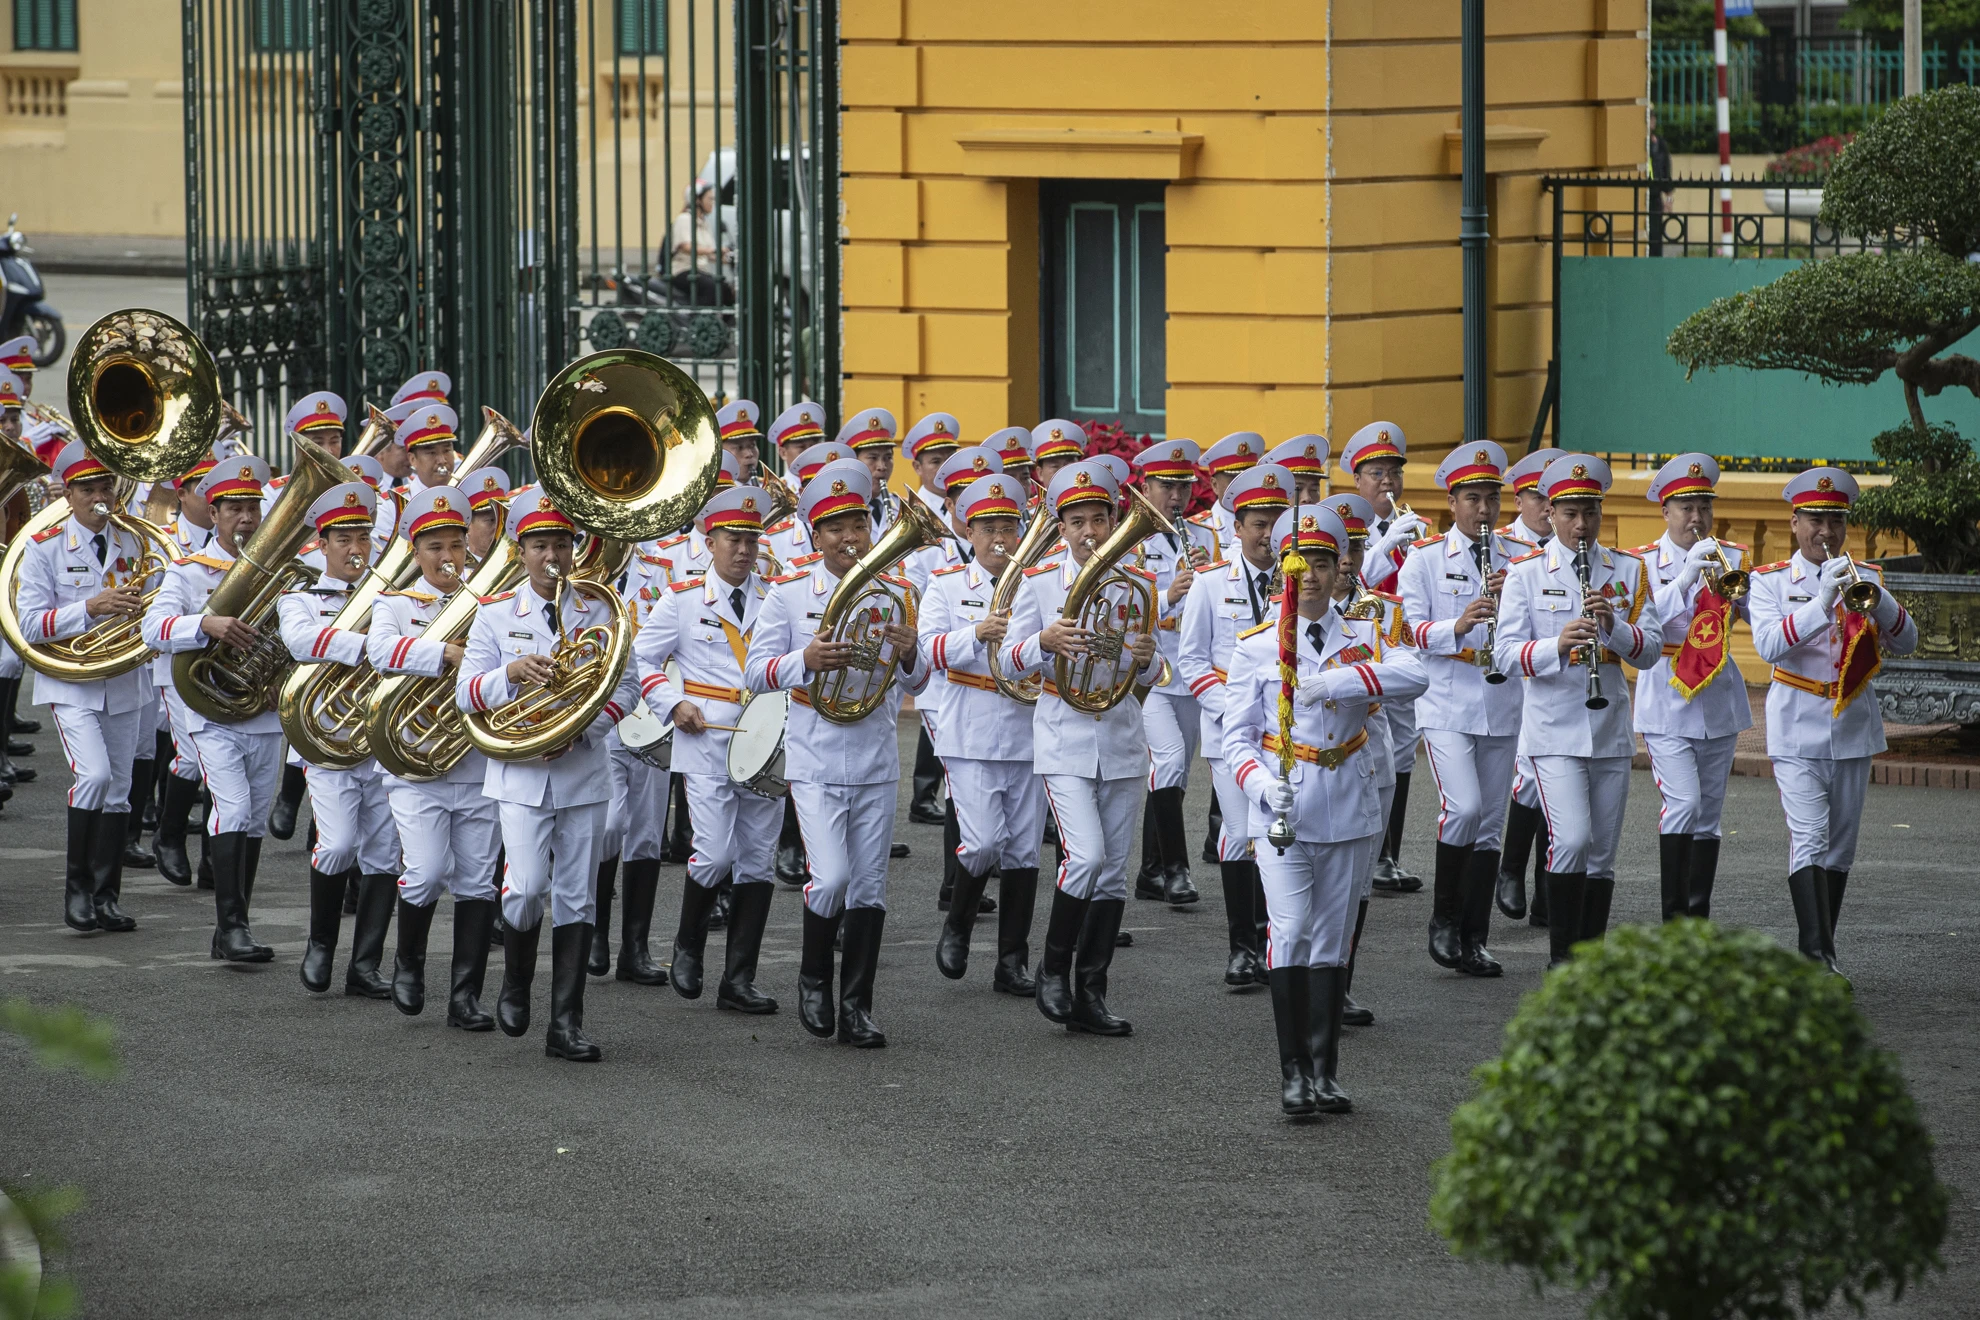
(979, 604)
(77, 568)
(1801, 598)
(1553, 591)
(713, 623)
(1236, 600)
(416, 623)
(696, 572)
(527, 637)
(1457, 577)
(815, 614)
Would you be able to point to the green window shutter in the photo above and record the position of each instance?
(642, 27)
(44, 24)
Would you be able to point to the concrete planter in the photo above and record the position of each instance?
(1799, 203)
(1940, 682)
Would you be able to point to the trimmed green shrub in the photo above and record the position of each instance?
(1692, 1122)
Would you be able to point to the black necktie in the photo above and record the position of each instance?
(102, 547)
(1261, 587)
(1318, 636)
(1381, 526)
(1173, 545)
(550, 616)
(968, 555)
(736, 603)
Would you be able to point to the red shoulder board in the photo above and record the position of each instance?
(1392, 599)
(490, 600)
(897, 581)
(788, 577)
(186, 560)
(1734, 544)
(776, 527)
(655, 559)
(313, 545)
(1630, 554)
(56, 530)
(1130, 568)
(1773, 568)
(688, 585)
(1428, 540)
(1042, 568)
(670, 541)
(944, 572)
(804, 560)
(1523, 558)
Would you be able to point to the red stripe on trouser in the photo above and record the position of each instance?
(1443, 807)
(67, 755)
(1053, 807)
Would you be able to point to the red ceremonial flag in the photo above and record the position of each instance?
(1862, 657)
(1707, 644)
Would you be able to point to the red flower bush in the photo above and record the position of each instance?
(1113, 438)
(1811, 162)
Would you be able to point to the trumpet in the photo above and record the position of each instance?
(1723, 579)
(1860, 595)
(1488, 655)
(1363, 604)
(1591, 654)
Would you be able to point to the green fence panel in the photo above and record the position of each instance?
(1621, 392)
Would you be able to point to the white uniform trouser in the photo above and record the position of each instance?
(1691, 775)
(1311, 892)
(1583, 799)
(1387, 795)
(735, 831)
(1174, 729)
(451, 835)
(637, 815)
(848, 832)
(1233, 843)
(185, 756)
(1000, 813)
(1474, 776)
(1097, 819)
(11, 664)
(240, 770)
(1823, 800)
(354, 823)
(1526, 784)
(99, 749)
(151, 715)
(1402, 733)
(553, 851)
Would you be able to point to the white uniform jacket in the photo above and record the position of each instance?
(815, 749)
(1804, 645)
(925, 563)
(1221, 524)
(1220, 605)
(172, 624)
(1438, 580)
(686, 555)
(1110, 745)
(1333, 773)
(1542, 596)
(395, 644)
(1162, 559)
(695, 624)
(516, 624)
(978, 722)
(59, 573)
(789, 541)
(1382, 732)
(1720, 708)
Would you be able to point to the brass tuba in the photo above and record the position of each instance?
(324, 706)
(783, 503)
(1109, 604)
(861, 606)
(1040, 536)
(228, 684)
(147, 402)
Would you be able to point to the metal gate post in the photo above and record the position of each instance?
(756, 332)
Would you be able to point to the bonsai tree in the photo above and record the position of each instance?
(1691, 1122)
(1933, 498)
(1914, 174)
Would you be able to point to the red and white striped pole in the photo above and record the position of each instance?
(1725, 129)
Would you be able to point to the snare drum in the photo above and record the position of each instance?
(756, 748)
(648, 736)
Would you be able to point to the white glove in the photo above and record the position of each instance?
(1401, 532)
(1695, 561)
(1835, 576)
(1329, 686)
(1279, 798)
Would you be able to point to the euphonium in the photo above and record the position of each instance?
(324, 706)
(860, 607)
(1040, 535)
(1109, 604)
(626, 444)
(229, 684)
(783, 503)
(147, 403)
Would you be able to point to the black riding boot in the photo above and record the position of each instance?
(409, 973)
(952, 945)
(282, 812)
(599, 961)
(169, 842)
(566, 1039)
(1353, 1014)
(951, 862)
(232, 940)
(749, 909)
(1809, 888)
(1481, 873)
(135, 853)
(474, 920)
(1172, 836)
(351, 890)
(725, 897)
(1566, 894)
(815, 1008)
(1704, 870)
(1291, 1005)
(1447, 905)
(161, 769)
(1213, 848)
(1522, 822)
(1536, 911)
(79, 885)
(1674, 874)
(790, 848)
(15, 724)
(1242, 969)
(10, 695)
(107, 869)
(1094, 956)
(1062, 930)
(205, 872)
(925, 807)
(1595, 906)
(376, 896)
(678, 843)
(1261, 918)
(326, 916)
(1838, 881)
(518, 970)
(1327, 988)
(856, 970)
(1151, 881)
(1390, 873)
(638, 886)
(1017, 890)
(691, 940)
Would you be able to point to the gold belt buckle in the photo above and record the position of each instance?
(1330, 758)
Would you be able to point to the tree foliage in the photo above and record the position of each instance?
(1933, 498)
(1915, 171)
(1692, 1121)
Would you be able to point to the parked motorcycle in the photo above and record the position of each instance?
(26, 310)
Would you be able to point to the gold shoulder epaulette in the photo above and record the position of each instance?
(309, 546)
(1773, 568)
(1390, 597)
(944, 572)
(1134, 568)
(1257, 628)
(1642, 550)
(500, 595)
(1630, 554)
(688, 585)
(186, 560)
(897, 580)
(423, 597)
(1734, 544)
(1523, 558)
(208, 561)
(655, 559)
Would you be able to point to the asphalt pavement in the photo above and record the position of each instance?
(270, 1152)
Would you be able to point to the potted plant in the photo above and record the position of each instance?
(1801, 173)
(1690, 1121)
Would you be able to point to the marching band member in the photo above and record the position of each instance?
(843, 777)
(1558, 606)
(448, 827)
(1092, 765)
(928, 444)
(984, 739)
(1012, 445)
(1305, 456)
(238, 761)
(736, 423)
(705, 625)
(1223, 602)
(552, 810)
(1450, 591)
(192, 531)
(1691, 705)
(427, 435)
(488, 505)
(13, 392)
(790, 540)
(353, 818)
(1823, 622)
(958, 471)
(74, 575)
(1055, 445)
(1322, 787)
(795, 430)
(1238, 452)
(1170, 718)
(1533, 524)
(870, 435)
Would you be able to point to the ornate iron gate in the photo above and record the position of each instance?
(495, 186)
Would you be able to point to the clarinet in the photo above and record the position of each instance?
(1592, 653)
(1488, 657)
